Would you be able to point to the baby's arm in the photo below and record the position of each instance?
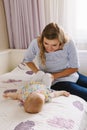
(59, 93)
(13, 95)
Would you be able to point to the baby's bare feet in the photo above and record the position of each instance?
(5, 95)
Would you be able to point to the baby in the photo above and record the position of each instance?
(35, 93)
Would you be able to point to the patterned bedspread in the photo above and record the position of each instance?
(63, 113)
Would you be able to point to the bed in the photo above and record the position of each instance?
(63, 113)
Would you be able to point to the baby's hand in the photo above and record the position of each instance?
(65, 93)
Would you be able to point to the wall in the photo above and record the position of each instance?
(4, 61)
(16, 56)
(83, 61)
(4, 42)
(9, 59)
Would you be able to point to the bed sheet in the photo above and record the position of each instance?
(63, 113)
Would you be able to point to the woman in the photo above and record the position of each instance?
(57, 55)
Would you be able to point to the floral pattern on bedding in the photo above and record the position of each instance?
(78, 105)
(29, 72)
(11, 81)
(61, 123)
(21, 66)
(50, 118)
(28, 125)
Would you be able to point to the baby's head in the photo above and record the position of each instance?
(34, 103)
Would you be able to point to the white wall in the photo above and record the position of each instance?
(9, 59)
(83, 61)
(16, 56)
(4, 61)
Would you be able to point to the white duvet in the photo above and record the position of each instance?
(63, 113)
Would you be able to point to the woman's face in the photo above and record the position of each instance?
(51, 45)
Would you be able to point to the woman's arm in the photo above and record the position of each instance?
(56, 75)
(64, 73)
(32, 66)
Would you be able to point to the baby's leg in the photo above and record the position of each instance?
(37, 77)
(13, 95)
(59, 93)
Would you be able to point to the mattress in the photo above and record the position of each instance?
(62, 113)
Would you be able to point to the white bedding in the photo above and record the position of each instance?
(63, 113)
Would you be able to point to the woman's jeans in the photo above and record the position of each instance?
(79, 88)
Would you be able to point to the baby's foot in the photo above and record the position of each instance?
(5, 95)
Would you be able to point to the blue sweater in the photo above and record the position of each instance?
(55, 61)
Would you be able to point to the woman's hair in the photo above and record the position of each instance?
(51, 31)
